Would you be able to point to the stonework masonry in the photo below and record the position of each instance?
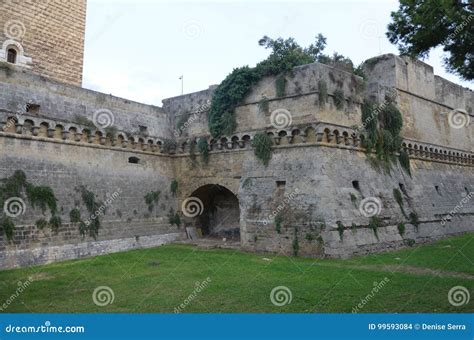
(47, 35)
(318, 174)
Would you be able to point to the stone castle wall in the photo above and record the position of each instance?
(315, 164)
(105, 170)
(49, 36)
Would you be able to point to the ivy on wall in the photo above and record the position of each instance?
(262, 144)
(203, 150)
(285, 55)
(92, 225)
(383, 125)
(12, 191)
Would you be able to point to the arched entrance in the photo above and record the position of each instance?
(220, 215)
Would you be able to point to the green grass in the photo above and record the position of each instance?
(160, 279)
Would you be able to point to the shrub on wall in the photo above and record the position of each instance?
(151, 199)
(262, 144)
(174, 218)
(285, 54)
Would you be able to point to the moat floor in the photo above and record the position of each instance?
(191, 279)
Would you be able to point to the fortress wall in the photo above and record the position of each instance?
(318, 190)
(424, 99)
(51, 34)
(127, 222)
(66, 102)
(300, 99)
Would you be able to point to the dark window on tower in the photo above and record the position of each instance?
(355, 185)
(11, 55)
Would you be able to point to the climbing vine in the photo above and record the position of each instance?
(14, 188)
(203, 150)
(92, 225)
(340, 229)
(174, 187)
(262, 144)
(383, 125)
(399, 199)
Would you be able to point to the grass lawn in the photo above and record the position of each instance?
(418, 279)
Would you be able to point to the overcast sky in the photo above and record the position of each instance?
(138, 49)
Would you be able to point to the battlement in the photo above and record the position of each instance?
(22, 91)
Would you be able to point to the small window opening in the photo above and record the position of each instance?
(281, 184)
(133, 160)
(355, 185)
(437, 190)
(32, 108)
(467, 191)
(11, 55)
